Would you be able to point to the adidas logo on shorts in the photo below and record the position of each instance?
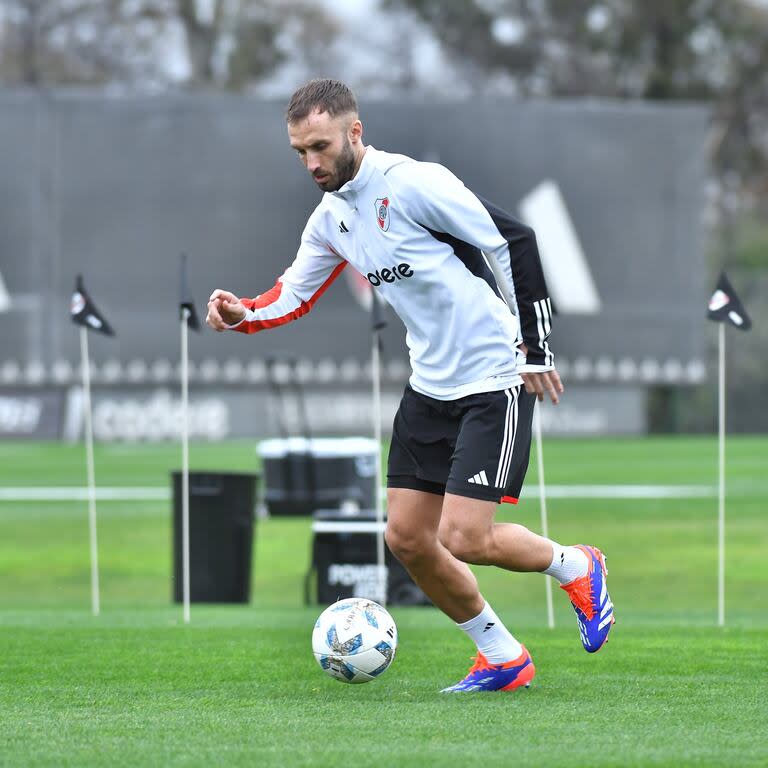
(479, 479)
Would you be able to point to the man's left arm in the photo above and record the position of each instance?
(440, 201)
(519, 257)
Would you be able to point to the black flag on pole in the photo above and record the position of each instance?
(726, 307)
(185, 300)
(84, 311)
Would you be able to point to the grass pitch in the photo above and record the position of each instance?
(239, 686)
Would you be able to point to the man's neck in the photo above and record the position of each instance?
(359, 160)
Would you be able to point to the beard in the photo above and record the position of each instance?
(343, 170)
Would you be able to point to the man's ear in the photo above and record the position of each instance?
(355, 132)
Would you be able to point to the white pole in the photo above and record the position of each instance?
(721, 491)
(88, 425)
(185, 462)
(543, 505)
(376, 381)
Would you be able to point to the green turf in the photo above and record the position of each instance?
(239, 686)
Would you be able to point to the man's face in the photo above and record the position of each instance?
(326, 145)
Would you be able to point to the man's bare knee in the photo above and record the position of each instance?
(407, 545)
(466, 544)
(466, 528)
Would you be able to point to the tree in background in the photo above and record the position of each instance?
(683, 50)
(85, 42)
(237, 43)
(155, 44)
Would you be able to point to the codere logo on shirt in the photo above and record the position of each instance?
(389, 275)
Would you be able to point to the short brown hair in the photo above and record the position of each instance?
(329, 96)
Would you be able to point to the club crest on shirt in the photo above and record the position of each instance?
(382, 212)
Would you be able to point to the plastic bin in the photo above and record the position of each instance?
(302, 475)
(221, 529)
(344, 562)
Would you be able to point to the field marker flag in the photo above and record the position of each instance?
(378, 323)
(189, 319)
(724, 307)
(85, 314)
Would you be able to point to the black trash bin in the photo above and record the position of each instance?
(221, 523)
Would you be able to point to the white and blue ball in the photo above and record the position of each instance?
(354, 640)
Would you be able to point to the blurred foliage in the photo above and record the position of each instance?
(750, 243)
(156, 44)
(682, 49)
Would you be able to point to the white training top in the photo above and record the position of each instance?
(419, 235)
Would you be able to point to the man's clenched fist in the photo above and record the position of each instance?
(224, 310)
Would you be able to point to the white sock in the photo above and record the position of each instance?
(491, 637)
(568, 563)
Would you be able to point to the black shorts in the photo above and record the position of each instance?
(477, 446)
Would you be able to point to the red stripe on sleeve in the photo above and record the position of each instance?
(272, 295)
(267, 298)
(507, 500)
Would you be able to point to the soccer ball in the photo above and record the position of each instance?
(354, 640)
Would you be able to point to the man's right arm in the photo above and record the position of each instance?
(294, 294)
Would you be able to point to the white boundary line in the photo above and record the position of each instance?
(117, 493)
(351, 526)
(630, 491)
(80, 494)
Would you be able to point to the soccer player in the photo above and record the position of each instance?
(461, 437)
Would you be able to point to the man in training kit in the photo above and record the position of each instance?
(461, 437)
